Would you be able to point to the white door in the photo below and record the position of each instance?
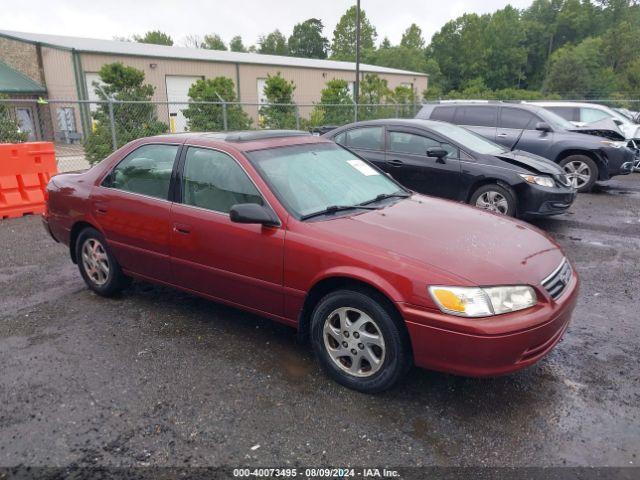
(261, 83)
(178, 91)
(25, 122)
(90, 78)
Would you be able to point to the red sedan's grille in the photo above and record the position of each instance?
(557, 282)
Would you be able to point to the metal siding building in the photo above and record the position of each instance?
(66, 66)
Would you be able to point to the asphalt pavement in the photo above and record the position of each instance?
(159, 377)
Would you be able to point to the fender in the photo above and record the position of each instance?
(362, 275)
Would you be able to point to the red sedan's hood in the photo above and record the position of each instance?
(484, 248)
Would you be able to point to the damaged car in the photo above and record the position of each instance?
(587, 155)
(448, 161)
(595, 119)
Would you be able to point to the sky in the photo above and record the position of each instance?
(248, 18)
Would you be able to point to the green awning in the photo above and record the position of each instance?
(12, 81)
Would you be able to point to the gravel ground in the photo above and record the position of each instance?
(158, 377)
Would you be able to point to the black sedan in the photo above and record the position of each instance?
(444, 160)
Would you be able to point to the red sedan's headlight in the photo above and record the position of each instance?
(483, 302)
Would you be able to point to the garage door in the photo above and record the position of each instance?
(178, 91)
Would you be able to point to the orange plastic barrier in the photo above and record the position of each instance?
(25, 170)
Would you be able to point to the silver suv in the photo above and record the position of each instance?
(586, 158)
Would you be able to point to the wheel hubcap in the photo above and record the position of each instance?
(578, 173)
(361, 353)
(493, 201)
(95, 261)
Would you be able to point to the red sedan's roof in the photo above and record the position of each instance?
(246, 141)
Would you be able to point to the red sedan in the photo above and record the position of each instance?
(299, 229)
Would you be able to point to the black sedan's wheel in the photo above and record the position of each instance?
(581, 171)
(98, 267)
(495, 198)
(358, 341)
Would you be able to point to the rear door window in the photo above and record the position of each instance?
(568, 113)
(146, 171)
(368, 138)
(477, 116)
(588, 115)
(516, 118)
(444, 114)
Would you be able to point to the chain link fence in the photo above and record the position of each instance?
(85, 132)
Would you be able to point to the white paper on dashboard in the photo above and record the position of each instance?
(362, 167)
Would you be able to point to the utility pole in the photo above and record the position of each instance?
(356, 85)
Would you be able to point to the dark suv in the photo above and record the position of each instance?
(585, 158)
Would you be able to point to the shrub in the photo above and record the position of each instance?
(9, 128)
(202, 117)
(278, 91)
(336, 104)
(131, 120)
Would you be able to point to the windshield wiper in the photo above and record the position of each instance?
(384, 196)
(334, 209)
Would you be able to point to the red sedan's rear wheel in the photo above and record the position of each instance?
(97, 265)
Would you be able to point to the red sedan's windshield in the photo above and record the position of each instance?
(309, 178)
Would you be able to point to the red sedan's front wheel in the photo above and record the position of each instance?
(359, 342)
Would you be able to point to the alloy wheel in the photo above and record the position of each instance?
(493, 201)
(95, 261)
(578, 173)
(354, 341)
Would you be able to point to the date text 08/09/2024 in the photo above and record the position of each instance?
(316, 472)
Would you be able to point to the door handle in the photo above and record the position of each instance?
(503, 135)
(182, 229)
(396, 163)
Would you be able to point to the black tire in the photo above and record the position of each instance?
(397, 357)
(114, 279)
(590, 164)
(483, 194)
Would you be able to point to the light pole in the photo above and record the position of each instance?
(356, 85)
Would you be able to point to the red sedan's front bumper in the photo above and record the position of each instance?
(493, 346)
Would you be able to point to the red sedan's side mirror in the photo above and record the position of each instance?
(253, 213)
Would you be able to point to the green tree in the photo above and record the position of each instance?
(336, 105)
(273, 44)
(280, 111)
(406, 99)
(131, 120)
(581, 71)
(213, 42)
(503, 49)
(307, 40)
(621, 45)
(534, 48)
(386, 43)
(156, 36)
(404, 58)
(209, 117)
(412, 38)
(458, 50)
(343, 46)
(236, 45)
(9, 128)
(629, 81)
(374, 91)
(436, 79)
